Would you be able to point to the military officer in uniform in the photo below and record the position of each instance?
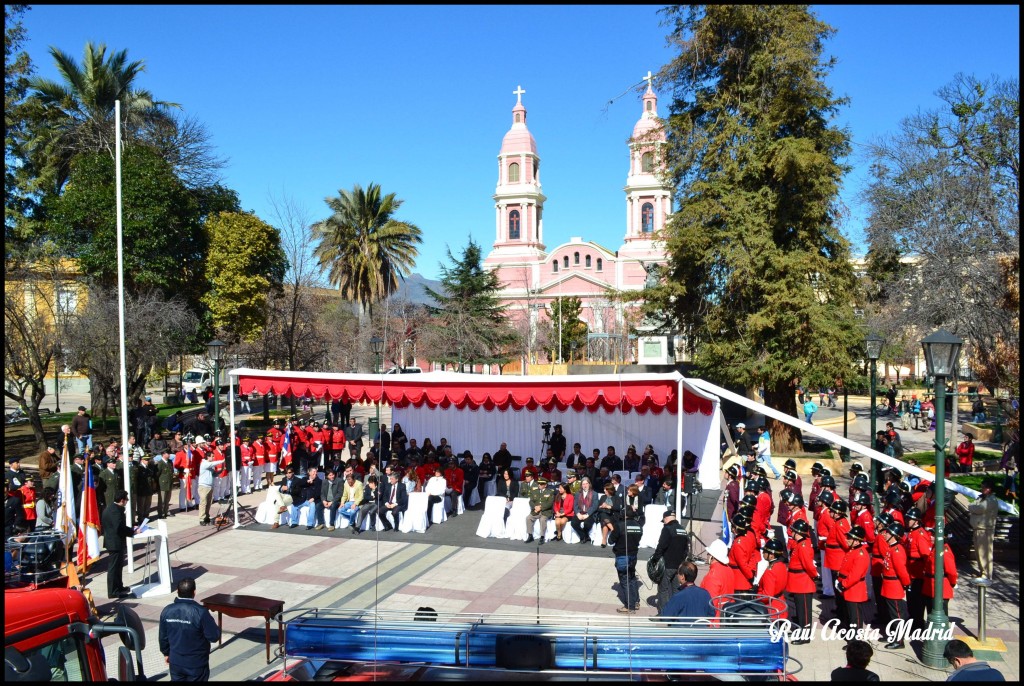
(542, 507)
(673, 547)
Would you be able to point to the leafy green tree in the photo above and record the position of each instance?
(245, 264)
(573, 329)
(364, 249)
(468, 324)
(759, 270)
(77, 113)
(19, 203)
(164, 242)
(945, 192)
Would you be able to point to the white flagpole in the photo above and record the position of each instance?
(120, 325)
(232, 448)
(679, 455)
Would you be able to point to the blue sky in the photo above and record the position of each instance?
(304, 101)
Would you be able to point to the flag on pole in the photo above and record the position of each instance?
(286, 445)
(88, 522)
(726, 530)
(188, 475)
(64, 519)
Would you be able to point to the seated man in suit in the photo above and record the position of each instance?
(394, 501)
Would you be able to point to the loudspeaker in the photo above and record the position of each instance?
(523, 651)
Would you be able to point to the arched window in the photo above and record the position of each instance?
(554, 266)
(600, 264)
(588, 261)
(647, 218)
(517, 117)
(536, 170)
(576, 258)
(565, 261)
(650, 106)
(513, 225)
(513, 172)
(647, 162)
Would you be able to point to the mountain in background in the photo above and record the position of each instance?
(414, 288)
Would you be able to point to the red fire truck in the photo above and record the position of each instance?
(51, 633)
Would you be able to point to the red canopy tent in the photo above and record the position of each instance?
(477, 412)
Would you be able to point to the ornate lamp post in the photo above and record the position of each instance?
(941, 353)
(377, 347)
(215, 347)
(873, 350)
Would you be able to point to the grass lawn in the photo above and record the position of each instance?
(927, 457)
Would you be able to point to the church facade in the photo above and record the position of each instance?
(534, 277)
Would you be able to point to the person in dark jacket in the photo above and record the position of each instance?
(627, 533)
(967, 667)
(14, 510)
(114, 532)
(186, 631)
(330, 500)
(690, 600)
(394, 500)
(673, 547)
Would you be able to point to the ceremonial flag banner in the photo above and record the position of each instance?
(88, 522)
(188, 475)
(286, 446)
(726, 531)
(64, 519)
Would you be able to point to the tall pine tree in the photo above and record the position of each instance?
(468, 324)
(759, 269)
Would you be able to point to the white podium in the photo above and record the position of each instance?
(158, 553)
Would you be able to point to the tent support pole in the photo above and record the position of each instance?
(679, 453)
(232, 449)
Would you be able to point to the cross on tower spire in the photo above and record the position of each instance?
(518, 92)
(649, 79)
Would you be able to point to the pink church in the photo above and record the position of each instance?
(534, 277)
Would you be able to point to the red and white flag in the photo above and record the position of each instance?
(64, 519)
(88, 523)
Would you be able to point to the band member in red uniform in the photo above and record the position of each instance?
(796, 483)
(784, 495)
(919, 547)
(949, 578)
(862, 485)
(762, 511)
(742, 554)
(797, 512)
(732, 491)
(273, 455)
(812, 500)
(851, 581)
(836, 546)
(895, 578)
(894, 507)
(259, 455)
(719, 580)
(856, 469)
(773, 581)
(803, 574)
(248, 462)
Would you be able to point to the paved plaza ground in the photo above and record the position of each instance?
(451, 569)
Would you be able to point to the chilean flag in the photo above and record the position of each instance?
(64, 517)
(88, 523)
(286, 446)
(726, 529)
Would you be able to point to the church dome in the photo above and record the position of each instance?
(518, 139)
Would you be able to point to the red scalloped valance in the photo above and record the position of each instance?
(640, 395)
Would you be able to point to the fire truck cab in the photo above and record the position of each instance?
(50, 631)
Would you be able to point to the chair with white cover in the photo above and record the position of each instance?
(491, 488)
(624, 475)
(415, 516)
(549, 530)
(515, 526)
(652, 526)
(455, 500)
(269, 510)
(492, 523)
(569, 534)
(439, 513)
(474, 496)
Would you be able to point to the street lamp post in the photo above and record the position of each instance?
(873, 349)
(941, 353)
(377, 346)
(215, 347)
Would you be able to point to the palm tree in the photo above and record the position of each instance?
(363, 248)
(77, 113)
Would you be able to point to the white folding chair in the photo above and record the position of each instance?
(515, 526)
(439, 513)
(474, 497)
(492, 523)
(652, 526)
(415, 518)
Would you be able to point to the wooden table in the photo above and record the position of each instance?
(245, 606)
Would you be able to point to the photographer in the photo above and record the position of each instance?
(557, 443)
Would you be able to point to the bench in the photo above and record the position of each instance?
(246, 606)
